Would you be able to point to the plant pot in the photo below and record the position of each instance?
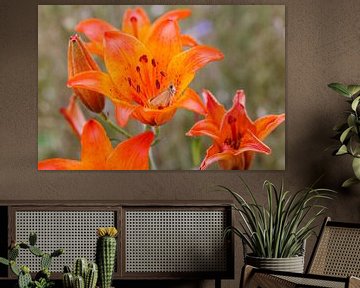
(291, 264)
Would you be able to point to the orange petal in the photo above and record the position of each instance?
(215, 110)
(164, 42)
(173, 15)
(94, 29)
(95, 81)
(74, 116)
(187, 40)
(80, 60)
(95, 48)
(59, 164)
(123, 111)
(135, 22)
(250, 142)
(132, 154)
(213, 155)
(190, 100)
(154, 117)
(125, 61)
(95, 145)
(205, 127)
(183, 66)
(265, 125)
(236, 121)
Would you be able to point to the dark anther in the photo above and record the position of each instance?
(129, 80)
(143, 58)
(163, 73)
(153, 62)
(157, 84)
(138, 69)
(138, 89)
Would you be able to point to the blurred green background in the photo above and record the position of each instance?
(252, 38)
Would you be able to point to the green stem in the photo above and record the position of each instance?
(114, 126)
(153, 165)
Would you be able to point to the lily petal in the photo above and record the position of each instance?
(265, 125)
(132, 154)
(166, 33)
(183, 66)
(251, 143)
(213, 154)
(73, 114)
(173, 15)
(215, 110)
(94, 29)
(190, 100)
(189, 41)
(126, 60)
(95, 81)
(123, 111)
(205, 127)
(96, 146)
(59, 164)
(154, 117)
(136, 22)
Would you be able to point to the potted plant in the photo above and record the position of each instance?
(276, 233)
(348, 132)
(42, 278)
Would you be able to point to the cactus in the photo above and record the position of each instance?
(36, 251)
(45, 261)
(13, 253)
(24, 277)
(91, 276)
(32, 238)
(42, 278)
(80, 268)
(105, 255)
(68, 280)
(79, 282)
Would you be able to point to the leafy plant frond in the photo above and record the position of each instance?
(279, 228)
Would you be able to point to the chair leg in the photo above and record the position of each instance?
(246, 276)
(354, 282)
(217, 283)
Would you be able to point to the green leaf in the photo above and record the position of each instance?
(349, 182)
(342, 150)
(340, 88)
(354, 145)
(351, 120)
(345, 134)
(355, 103)
(356, 167)
(353, 89)
(4, 261)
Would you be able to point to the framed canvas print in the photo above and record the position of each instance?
(161, 87)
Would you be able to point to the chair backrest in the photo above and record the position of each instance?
(337, 251)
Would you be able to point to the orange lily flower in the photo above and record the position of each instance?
(97, 152)
(235, 136)
(135, 22)
(148, 82)
(74, 116)
(79, 60)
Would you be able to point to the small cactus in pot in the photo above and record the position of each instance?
(106, 254)
(85, 275)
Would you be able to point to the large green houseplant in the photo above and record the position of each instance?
(348, 133)
(275, 234)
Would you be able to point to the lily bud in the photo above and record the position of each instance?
(80, 60)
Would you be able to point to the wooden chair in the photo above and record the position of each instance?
(334, 263)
